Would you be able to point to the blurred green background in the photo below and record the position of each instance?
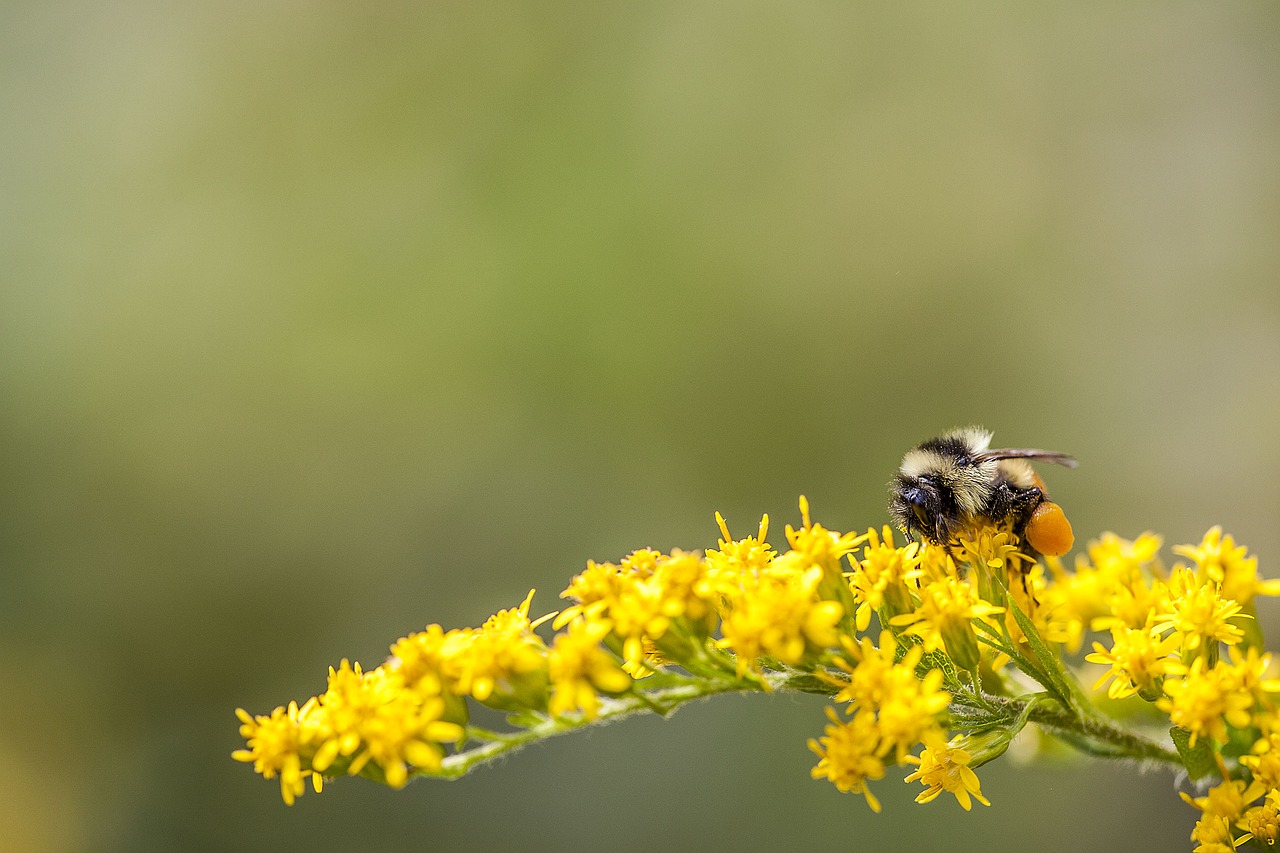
(321, 322)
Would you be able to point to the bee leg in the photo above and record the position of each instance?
(1026, 499)
(1010, 500)
(1017, 505)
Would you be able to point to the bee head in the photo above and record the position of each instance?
(924, 503)
(942, 484)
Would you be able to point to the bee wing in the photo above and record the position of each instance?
(1029, 453)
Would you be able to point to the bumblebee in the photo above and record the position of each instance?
(953, 484)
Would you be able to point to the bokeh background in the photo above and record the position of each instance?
(320, 322)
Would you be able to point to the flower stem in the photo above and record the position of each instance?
(1091, 734)
(1087, 733)
(663, 701)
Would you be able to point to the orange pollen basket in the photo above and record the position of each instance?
(1048, 530)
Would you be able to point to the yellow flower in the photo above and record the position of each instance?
(1219, 560)
(502, 663)
(1198, 612)
(819, 546)
(993, 550)
(1246, 672)
(1138, 660)
(799, 614)
(947, 607)
(1134, 604)
(599, 585)
(1263, 822)
(639, 600)
(907, 708)
(1110, 589)
(1121, 560)
(1052, 614)
(747, 556)
(933, 562)
(673, 591)
(779, 615)
(276, 744)
(636, 615)
(1222, 806)
(996, 567)
(945, 767)
(1205, 700)
(685, 591)
(880, 578)
(641, 563)
(1214, 834)
(1226, 800)
(1264, 760)
(579, 667)
(1076, 598)
(419, 659)
(371, 716)
(651, 658)
(848, 755)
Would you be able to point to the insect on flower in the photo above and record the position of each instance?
(953, 484)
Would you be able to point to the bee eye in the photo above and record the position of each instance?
(915, 496)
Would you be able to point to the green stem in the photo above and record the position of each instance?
(1125, 744)
(663, 701)
(1087, 732)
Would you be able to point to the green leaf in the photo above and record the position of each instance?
(996, 641)
(1239, 741)
(1057, 682)
(929, 661)
(993, 638)
(520, 719)
(1198, 759)
(938, 660)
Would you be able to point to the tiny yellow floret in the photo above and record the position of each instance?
(945, 767)
(848, 755)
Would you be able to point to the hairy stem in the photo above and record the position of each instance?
(663, 701)
(1087, 732)
(1126, 744)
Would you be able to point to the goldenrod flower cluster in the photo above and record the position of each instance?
(972, 642)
